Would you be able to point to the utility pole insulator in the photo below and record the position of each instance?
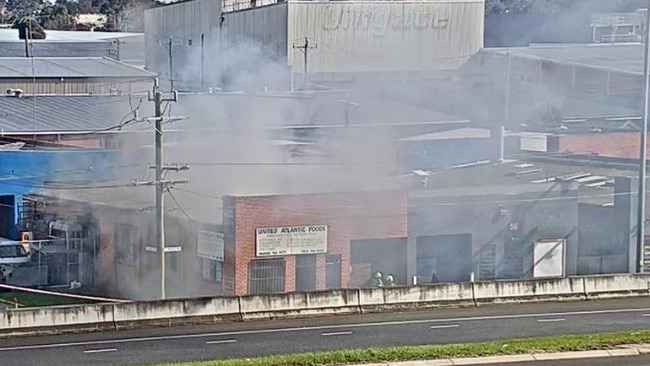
(174, 167)
(164, 182)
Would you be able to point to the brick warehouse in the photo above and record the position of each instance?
(377, 219)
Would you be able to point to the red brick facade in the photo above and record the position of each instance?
(349, 216)
(623, 145)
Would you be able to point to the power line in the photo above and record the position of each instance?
(271, 163)
(217, 197)
(124, 121)
(179, 205)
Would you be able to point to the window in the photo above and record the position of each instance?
(211, 270)
(305, 272)
(12, 251)
(124, 243)
(266, 276)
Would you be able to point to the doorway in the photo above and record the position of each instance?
(448, 257)
(387, 256)
(306, 272)
(333, 271)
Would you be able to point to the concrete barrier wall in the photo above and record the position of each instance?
(78, 318)
(378, 299)
(34, 321)
(175, 312)
(531, 290)
(299, 304)
(616, 286)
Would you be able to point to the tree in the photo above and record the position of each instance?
(72, 7)
(22, 8)
(85, 7)
(58, 17)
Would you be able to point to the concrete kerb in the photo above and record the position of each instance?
(505, 359)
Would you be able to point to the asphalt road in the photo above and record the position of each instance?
(330, 333)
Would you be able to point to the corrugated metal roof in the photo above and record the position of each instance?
(68, 67)
(523, 175)
(457, 134)
(11, 35)
(62, 113)
(620, 57)
(131, 48)
(81, 113)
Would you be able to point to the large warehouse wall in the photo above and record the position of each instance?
(385, 36)
(185, 22)
(266, 25)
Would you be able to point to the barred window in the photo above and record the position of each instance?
(266, 276)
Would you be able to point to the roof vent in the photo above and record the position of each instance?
(15, 93)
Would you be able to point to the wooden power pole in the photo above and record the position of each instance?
(304, 48)
(161, 184)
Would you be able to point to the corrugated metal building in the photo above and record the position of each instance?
(187, 24)
(72, 75)
(267, 25)
(351, 37)
(386, 36)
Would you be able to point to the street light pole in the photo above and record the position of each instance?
(640, 226)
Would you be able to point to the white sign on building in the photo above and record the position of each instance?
(291, 240)
(210, 245)
(549, 258)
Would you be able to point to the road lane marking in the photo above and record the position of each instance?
(550, 320)
(646, 314)
(444, 326)
(222, 341)
(101, 350)
(322, 327)
(336, 334)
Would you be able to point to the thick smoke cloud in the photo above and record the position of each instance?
(233, 146)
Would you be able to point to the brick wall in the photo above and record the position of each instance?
(350, 216)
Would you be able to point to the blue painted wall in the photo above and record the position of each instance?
(25, 171)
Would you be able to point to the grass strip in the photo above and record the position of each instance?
(30, 299)
(565, 343)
